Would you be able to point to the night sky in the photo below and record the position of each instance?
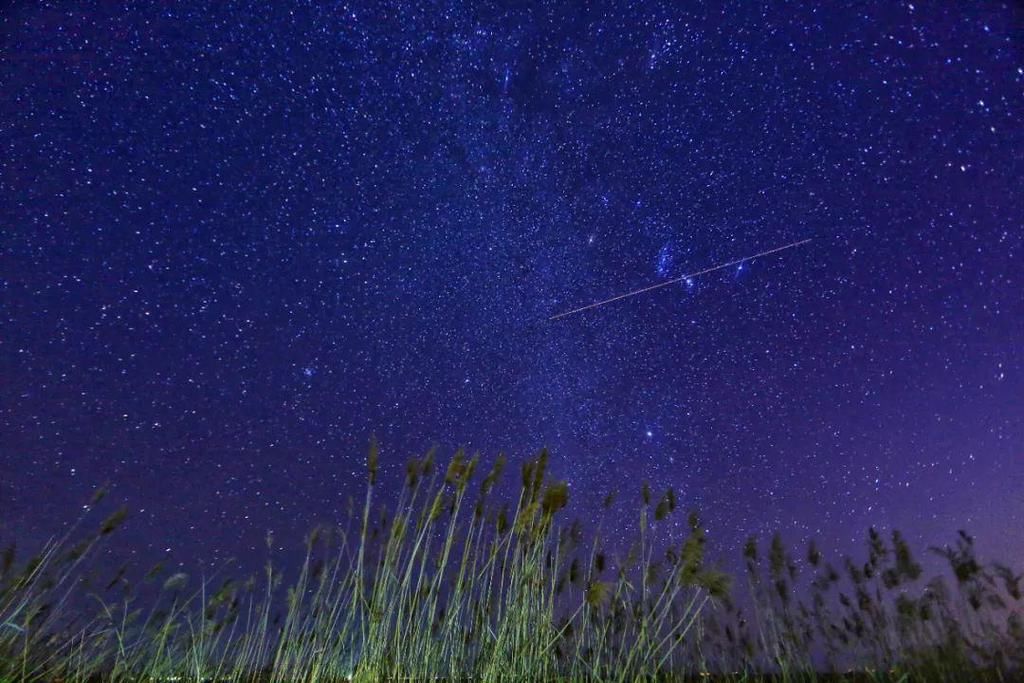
(237, 239)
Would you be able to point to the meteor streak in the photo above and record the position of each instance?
(688, 276)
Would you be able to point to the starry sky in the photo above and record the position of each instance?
(237, 239)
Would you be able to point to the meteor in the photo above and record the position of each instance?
(688, 276)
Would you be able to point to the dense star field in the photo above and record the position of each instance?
(240, 238)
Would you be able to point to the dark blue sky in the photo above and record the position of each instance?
(238, 238)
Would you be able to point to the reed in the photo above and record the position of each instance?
(460, 577)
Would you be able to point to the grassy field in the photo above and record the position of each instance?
(455, 582)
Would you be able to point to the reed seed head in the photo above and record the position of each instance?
(111, 523)
(176, 582)
(598, 593)
(556, 496)
(372, 460)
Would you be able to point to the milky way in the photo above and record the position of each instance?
(240, 238)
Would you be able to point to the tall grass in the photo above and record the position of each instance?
(452, 580)
(882, 615)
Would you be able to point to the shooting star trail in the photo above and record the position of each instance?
(688, 276)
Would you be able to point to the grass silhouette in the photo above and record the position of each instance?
(452, 581)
